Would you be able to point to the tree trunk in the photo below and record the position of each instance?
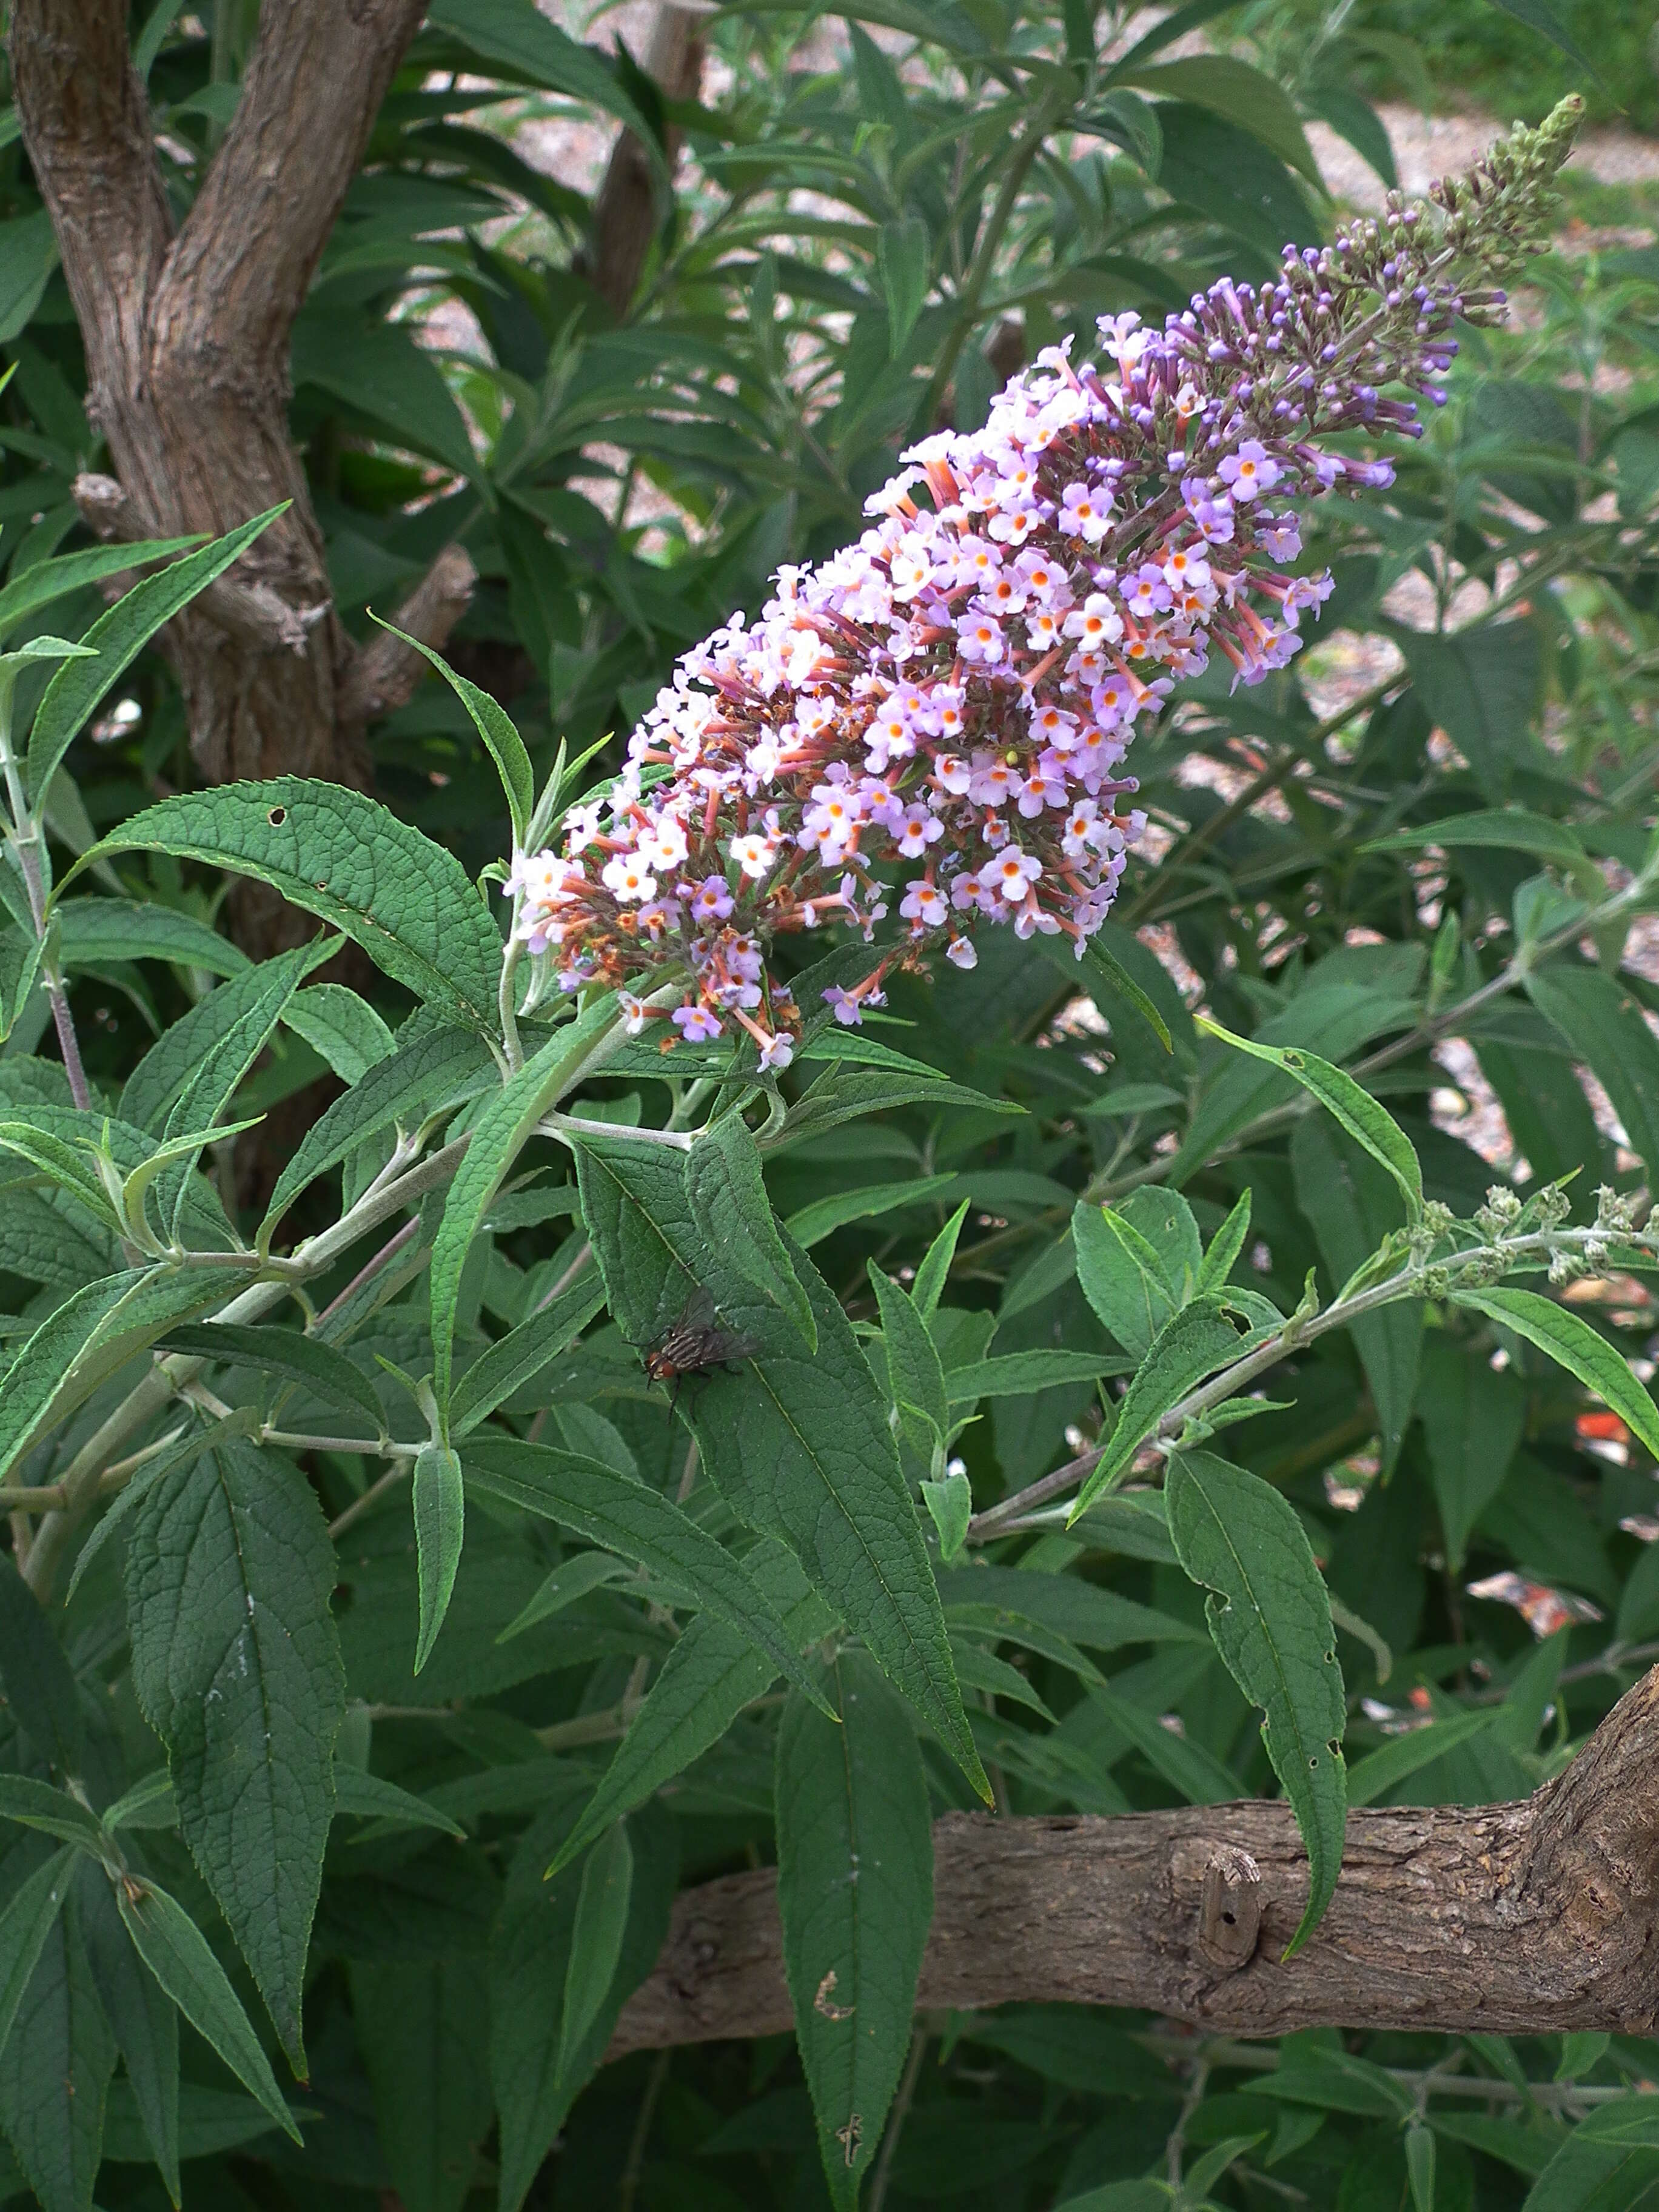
(187, 337)
(1510, 1919)
(626, 213)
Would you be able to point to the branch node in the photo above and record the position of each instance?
(1229, 1908)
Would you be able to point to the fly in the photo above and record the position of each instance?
(695, 1342)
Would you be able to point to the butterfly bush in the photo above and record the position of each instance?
(932, 725)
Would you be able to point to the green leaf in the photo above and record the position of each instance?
(823, 1215)
(1473, 1418)
(440, 1528)
(1233, 89)
(511, 35)
(35, 1677)
(916, 1378)
(21, 954)
(1353, 1207)
(1369, 1124)
(1538, 15)
(934, 1271)
(950, 1507)
(711, 1674)
(117, 637)
(90, 1338)
(423, 2029)
(499, 1134)
(337, 855)
(92, 931)
(1023, 1373)
(383, 374)
(50, 580)
(903, 251)
(236, 1665)
(569, 1582)
(596, 1939)
(176, 1952)
(28, 254)
(493, 725)
(184, 1081)
(1498, 828)
(536, 2080)
(855, 1895)
(371, 1797)
(30, 1915)
(1102, 970)
(340, 1028)
(142, 2017)
(1227, 174)
(1604, 1025)
(1222, 1253)
(1271, 1620)
(516, 1359)
(1480, 684)
(629, 1517)
(1122, 1277)
(800, 1446)
(287, 1352)
(37, 1805)
(54, 2072)
(432, 1066)
(732, 1210)
(1609, 2163)
(1385, 1769)
(1192, 1345)
(1574, 1344)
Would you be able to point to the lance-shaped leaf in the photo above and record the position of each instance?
(35, 1804)
(337, 855)
(94, 931)
(423, 2027)
(499, 1134)
(54, 2072)
(916, 1380)
(627, 1517)
(1122, 1275)
(206, 1053)
(1191, 1344)
(1574, 1344)
(1271, 1618)
(117, 637)
(440, 1530)
(730, 1206)
(35, 1676)
(287, 1352)
(518, 1358)
(24, 1927)
(20, 953)
(236, 1664)
(433, 1064)
(176, 1952)
(536, 2074)
(799, 1445)
(855, 1895)
(711, 1674)
(50, 580)
(1367, 1122)
(77, 1349)
(596, 1939)
(143, 2018)
(493, 725)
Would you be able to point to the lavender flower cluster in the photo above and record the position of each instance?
(937, 716)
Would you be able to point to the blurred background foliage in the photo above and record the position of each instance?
(858, 229)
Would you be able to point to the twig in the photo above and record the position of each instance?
(371, 1497)
(628, 2188)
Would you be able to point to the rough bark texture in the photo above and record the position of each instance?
(626, 213)
(1523, 1918)
(187, 339)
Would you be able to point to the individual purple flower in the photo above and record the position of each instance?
(1249, 472)
(696, 1024)
(712, 901)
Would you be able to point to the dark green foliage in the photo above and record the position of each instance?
(780, 1609)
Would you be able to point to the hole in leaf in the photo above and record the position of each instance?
(277, 816)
